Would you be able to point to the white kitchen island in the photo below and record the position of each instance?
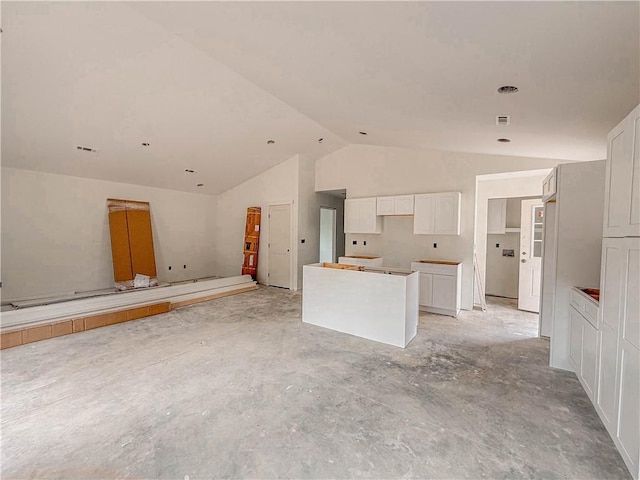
(377, 303)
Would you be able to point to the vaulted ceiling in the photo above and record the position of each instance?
(208, 84)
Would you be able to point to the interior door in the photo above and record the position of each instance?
(280, 245)
(531, 219)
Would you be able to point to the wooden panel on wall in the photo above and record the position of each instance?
(120, 252)
(141, 239)
(131, 239)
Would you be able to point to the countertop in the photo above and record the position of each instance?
(594, 293)
(438, 262)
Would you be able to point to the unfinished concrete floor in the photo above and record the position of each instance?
(239, 387)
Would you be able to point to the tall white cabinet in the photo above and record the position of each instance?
(618, 343)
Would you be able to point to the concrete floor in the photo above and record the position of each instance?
(239, 387)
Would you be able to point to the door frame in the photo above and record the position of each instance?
(293, 232)
(524, 183)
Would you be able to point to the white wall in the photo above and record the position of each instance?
(367, 171)
(279, 184)
(55, 233)
(502, 272)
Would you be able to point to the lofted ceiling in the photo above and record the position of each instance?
(208, 84)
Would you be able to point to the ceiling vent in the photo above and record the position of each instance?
(503, 120)
(83, 148)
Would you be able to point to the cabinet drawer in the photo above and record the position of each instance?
(437, 268)
(577, 300)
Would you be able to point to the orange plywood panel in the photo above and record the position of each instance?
(143, 259)
(10, 339)
(36, 334)
(251, 238)
(62, 328)
(120, 251)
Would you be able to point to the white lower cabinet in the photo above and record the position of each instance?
(583, 343)
(575, 338)
(440, 286)
(589, 358)
(607, 373)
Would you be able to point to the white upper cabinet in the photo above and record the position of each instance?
(497, 216)
(437, 214)
(622, 187)
(361, 216)
(549, 186)
(395, 205)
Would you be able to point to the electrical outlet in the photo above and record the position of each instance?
(435, 245)
(184, 266)
(169, 267)
(355, 242)
(497, 245)
(302, 241)
(364, 242)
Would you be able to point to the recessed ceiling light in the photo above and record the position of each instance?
(320, 140)
(87, 149)
(188, 170)
(270, 142)
(145, 144)
(507, 89)
(362, 133)
(504, 140)
(200, 185)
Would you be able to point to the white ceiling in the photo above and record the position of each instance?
(208, 83)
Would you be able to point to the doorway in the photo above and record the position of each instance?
(280, 246)
(327, 235)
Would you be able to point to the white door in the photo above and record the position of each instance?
(531, 218)
(280, 245)
(327, 235)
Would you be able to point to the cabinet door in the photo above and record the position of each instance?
(423, 214)
(444, 292)
(588, 361)
(627, 432)
(404, 205)
(369, 221)
(622, 187)
(575, 338)
(426, 289)
(352, 215)
(385, 205)
(497, 216)
(607, 370)
(447, 214)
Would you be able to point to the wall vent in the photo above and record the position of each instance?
(87, 149)
(503, 120)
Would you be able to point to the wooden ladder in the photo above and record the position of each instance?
(479, 283)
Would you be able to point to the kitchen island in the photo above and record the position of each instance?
(375, 303)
